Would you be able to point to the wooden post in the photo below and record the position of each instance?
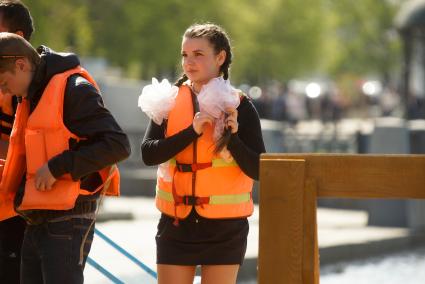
(290, 185)
(280, 255)
(362, 176)
(311, 248)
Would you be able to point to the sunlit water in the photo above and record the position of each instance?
(402, 268)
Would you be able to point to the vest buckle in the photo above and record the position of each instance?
(189, 200)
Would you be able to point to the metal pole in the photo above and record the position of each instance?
(105, 272)
(125, 253)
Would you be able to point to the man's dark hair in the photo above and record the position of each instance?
(13, 47)
(16, 17)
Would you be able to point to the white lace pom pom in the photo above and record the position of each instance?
(157, 99)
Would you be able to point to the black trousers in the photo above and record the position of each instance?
(51, 252)
(11, 237)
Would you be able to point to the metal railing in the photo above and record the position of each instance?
(107, 273)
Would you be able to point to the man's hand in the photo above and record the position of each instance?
(44, 179)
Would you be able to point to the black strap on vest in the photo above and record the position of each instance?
(8, 119)
(195, 102)
(5, 130)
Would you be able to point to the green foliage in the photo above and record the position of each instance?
(62, 25)
(284, 40)
(366, 39)
(273, 39)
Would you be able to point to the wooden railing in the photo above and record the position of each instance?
(289, 187)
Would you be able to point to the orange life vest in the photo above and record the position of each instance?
(13, 169)
(216, 188)
(6, 121)
(39, 137)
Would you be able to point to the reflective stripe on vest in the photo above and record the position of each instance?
(214, 199)
(216, 163)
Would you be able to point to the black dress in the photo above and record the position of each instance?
(198, 240)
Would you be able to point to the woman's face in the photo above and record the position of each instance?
(199, 61)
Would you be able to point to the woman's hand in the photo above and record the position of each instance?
(226, 155)
(231, 120)
(199, 122)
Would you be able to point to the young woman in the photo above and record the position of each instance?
(205, 196)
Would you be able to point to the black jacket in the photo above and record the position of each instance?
(86, 117)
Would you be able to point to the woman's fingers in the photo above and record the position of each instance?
(200, 120)
(232, 119)
(232, 112)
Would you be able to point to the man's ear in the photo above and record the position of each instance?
(22, 64)
(221, 57)
(20, 33)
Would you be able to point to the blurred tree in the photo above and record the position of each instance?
(112, 33)
(284, 40)
(274, 39)
(147, 38)
(62, 25)
(363, 38)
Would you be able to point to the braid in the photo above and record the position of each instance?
(181, 80)
(223, 140)
(222, 43)
(225, 72)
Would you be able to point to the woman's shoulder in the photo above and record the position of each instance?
(245, 102)
(246, 109)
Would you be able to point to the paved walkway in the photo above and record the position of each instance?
(342, 234)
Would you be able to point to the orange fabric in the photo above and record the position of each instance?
(209, 181)
(43, 137)
(6, 203)
(111, 182)
(14, 166)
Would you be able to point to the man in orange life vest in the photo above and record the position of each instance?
(14, 17)
(67, 142)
